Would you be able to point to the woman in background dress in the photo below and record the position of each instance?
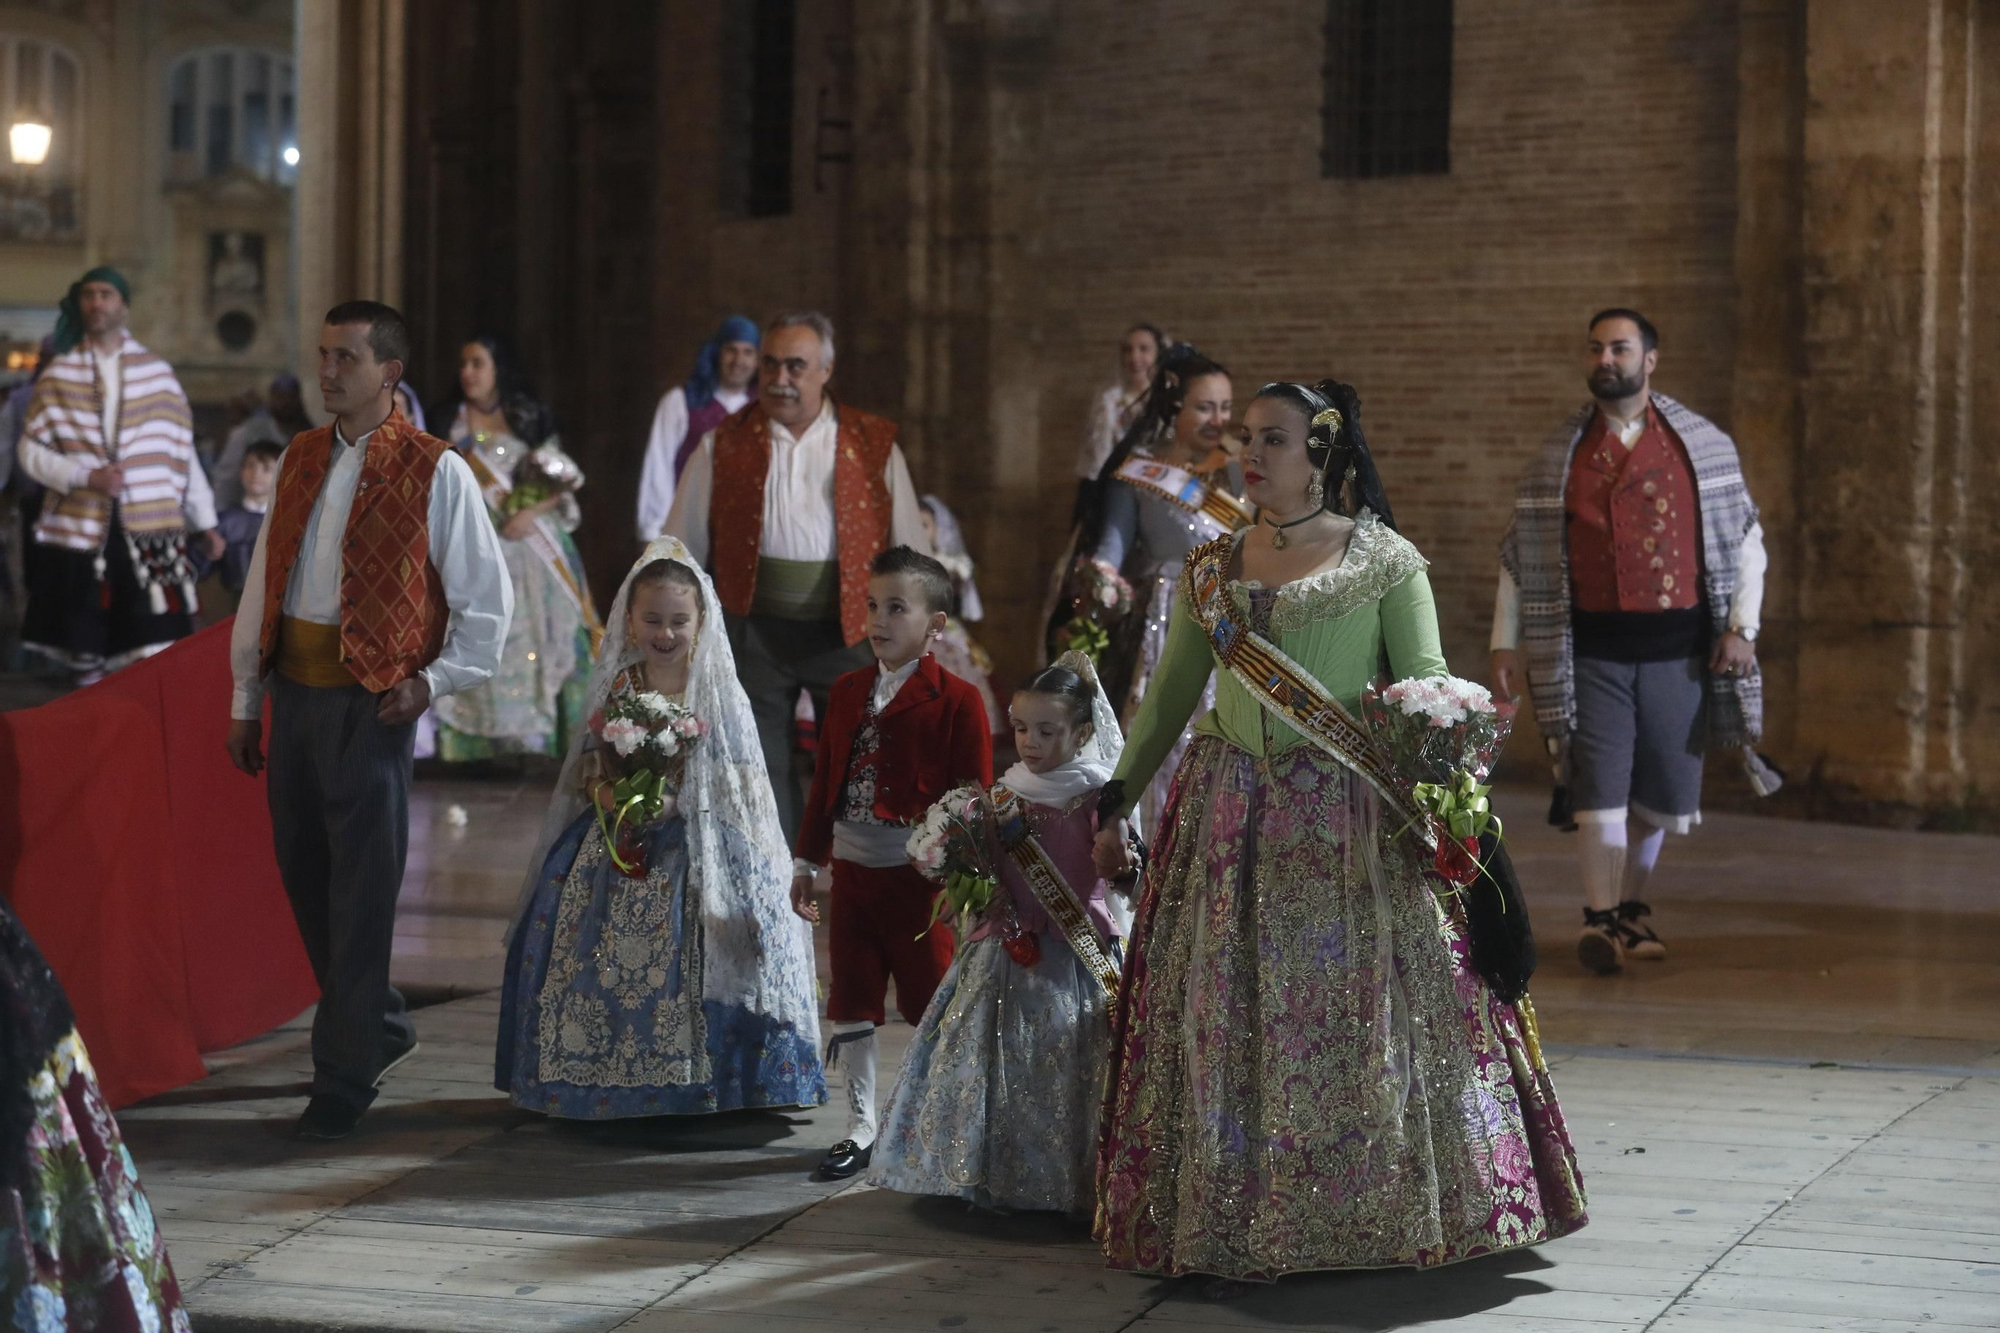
(534, 702)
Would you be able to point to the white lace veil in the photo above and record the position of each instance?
(758, 954)
(949, 548)
(1095, 762)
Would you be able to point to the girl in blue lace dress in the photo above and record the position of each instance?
(679, 982)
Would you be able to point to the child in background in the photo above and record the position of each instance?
(956, 650)
(239, 525)
(999, 1095)
(896, 737)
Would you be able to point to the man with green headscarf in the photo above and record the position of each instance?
(110, 435)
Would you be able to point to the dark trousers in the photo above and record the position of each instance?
(339, 786)
(775, 659)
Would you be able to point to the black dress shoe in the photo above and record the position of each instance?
(327, 1117)
(390, 1062)
(843, 1159)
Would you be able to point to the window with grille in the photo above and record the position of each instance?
(41, 82)
(759, 38)
(1388, 88)
(231, 107)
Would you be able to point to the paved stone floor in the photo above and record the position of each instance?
(1791, 1124)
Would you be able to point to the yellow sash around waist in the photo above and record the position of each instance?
(309, 654)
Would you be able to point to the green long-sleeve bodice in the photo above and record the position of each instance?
(1336, 624)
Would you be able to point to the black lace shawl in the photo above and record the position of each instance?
(34, 1016)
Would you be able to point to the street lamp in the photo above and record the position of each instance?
(28, 142)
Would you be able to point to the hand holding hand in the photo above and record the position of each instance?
(1508, 678)
(245, 745)
(106, 480)
(1111, 854)
(1734, 655)
(802, 898)
(403, 703)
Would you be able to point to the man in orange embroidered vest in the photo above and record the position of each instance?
(377, 584)
(787, 502)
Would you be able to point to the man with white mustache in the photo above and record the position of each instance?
(787, 503)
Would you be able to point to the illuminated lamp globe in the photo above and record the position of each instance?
(291, 155)
(28, 141)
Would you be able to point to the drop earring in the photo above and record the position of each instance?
(1316, 492)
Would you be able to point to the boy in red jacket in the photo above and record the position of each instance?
(896, 737)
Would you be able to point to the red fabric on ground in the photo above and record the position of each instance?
(141, 862)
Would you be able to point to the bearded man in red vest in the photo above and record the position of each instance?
(788, 502)
(1632, 583)
(377, 584)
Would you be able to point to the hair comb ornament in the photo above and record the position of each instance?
(1330, 418)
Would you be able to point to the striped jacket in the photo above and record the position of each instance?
(63, 442)
(1536, 552)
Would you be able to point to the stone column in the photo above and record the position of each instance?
(1886, 666)
(349, 230)
(1765, 414)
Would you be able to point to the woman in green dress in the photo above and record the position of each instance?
(1307, 1073)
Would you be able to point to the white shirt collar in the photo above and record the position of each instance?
(256, 506)
(341, 439)
(779, 429)
(888, 684)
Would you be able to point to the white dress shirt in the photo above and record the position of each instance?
(464, 548)
(1107, 427)
(670, 428)
(63, 472)
(798, 496)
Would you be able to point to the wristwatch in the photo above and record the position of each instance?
(1745, 634)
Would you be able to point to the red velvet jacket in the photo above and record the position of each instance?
(934, 737)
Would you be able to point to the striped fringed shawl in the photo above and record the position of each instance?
(1536, 552)
(154, 444)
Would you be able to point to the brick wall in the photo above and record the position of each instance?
(1593, 163)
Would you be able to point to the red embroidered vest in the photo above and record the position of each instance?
(1634, 521)
(861, 507)
(392, 607)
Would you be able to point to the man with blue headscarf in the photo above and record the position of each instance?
(724, 380)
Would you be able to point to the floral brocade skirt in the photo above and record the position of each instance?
(602, 1013)
(1306, 1071)
(999, 1095)
(79, 1249)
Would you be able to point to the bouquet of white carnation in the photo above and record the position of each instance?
(947, 848)
(1443, 735)
(645, 730)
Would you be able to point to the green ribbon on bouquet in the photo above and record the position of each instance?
(1463, 806)
(643, 794)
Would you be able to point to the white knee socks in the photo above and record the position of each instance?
(1601, 843)
(852, 1052)
(1642, 854)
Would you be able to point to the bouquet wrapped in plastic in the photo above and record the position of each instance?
(1443, 735)
(545, 473)
(953, 846)
(1101, 599)
(648, 733)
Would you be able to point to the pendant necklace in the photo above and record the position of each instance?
(1278, 539)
